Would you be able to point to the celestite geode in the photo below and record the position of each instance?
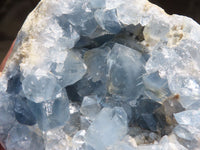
(102, 75)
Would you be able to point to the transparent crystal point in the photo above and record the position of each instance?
(90, 107)
(40, 86)
(125, 69)
(53, 113)
(188, 117)
(72, 70)
(21, 137)
(109, 127)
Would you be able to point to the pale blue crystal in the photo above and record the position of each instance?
(187, 132)
(96, 61)
(23, 113)
(7, 116)
(52, 113)
(195, 106)
(79, 139)
(125, 69)
(90, 107)
(189, 136)
(71, 71)
(85, 122)
(127, 143)
(22, 138)
(109, 127)
(73, 124)
(188, 117)
(40, 86)
(97, 3)
(6, 110)
(156, 87)
(82, 18)
(86, 75)
(187, 86)
(108, 20)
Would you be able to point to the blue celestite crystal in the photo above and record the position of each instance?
(156, 87)
(71, 71)
(108, 20)
(52, 113)
(111, 122)
(90, 107)
(102, 75)
(21, 137)
(40, 86)
(7, 117)
(123, 79)
(23, 113)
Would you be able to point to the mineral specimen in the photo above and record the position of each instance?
(102, 75)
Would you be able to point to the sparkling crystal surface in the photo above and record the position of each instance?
(111, 122)
(102, 75)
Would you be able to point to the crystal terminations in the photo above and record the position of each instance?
(102, 75)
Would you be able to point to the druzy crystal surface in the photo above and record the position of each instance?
(102, 75)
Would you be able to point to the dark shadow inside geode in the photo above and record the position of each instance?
(156, 117)
(125, 36)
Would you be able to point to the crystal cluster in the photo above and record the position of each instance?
(102, 75)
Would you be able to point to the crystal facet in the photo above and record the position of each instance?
(102, 75)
